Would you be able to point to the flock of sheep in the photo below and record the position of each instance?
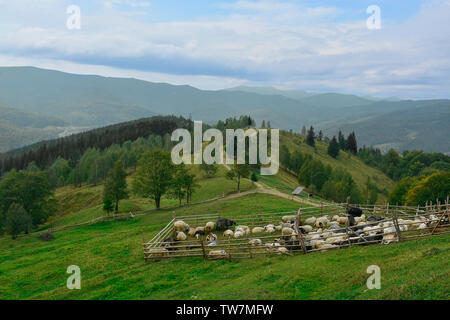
(321, 233)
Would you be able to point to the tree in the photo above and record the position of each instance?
(253, 177)
(31, 190)
(303, 131)
(342, 141)
(310, 137)
(116, 185)
(108, 205)
(333, 148)
(17, 220)
(320, 137)
(351, 143)
(209, 169)
(285, 156)
(237, 172)
(180, 183)
(154, 175)
(431, 188)
(398, 194)
(263, 124)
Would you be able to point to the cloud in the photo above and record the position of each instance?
(257, 42)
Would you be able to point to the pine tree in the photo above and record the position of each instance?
(263, 124)
(304, 131)
(351, 143)
(320, 137)
(333, 148)
(342, 142)
(310, 137)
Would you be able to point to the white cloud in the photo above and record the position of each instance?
(261, 42)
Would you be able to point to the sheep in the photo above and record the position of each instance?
(335, 217)
(181, 236)
(211, 237)
(422, 226)
(217, 253)
(269, 229)
(310, 221)
(355, 212)
(257, 230)
(180, 226)
(278, 228)
(244, 229)
(360, 219)
(375, 218)
(288, 219)
(191, 232)
(210, 226)
(285, 225)
(228, 233)
(282, 250)
(388, 238)
(317, 244)
(342, 220)
(238, 234)
(271, 244)
(310, 236)
(158, 252)
(213, 243)
(306, 228)
(287, 231)
(255, 242)
(168, 242)
(224, 224)
(322, 222)
(200, 231)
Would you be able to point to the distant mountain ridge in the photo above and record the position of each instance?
(94, 101)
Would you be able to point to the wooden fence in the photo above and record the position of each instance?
(435, 216)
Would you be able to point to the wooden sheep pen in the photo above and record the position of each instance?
(240, 248)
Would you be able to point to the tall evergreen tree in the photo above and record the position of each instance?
(351, 143)
(304, 131)
(333, 148)
(310, 138)
(342, 141)
(320, 137)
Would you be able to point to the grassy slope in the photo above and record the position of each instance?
(359, 171)
(111, 260)
(76, 205)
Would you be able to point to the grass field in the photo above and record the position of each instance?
(112, 266)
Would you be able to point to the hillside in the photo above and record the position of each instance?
(417, 128)
(94, 101)
(359, 171)
(110, 257)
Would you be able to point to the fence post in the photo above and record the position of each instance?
(397, 228)
(299, 234)
(202, 242)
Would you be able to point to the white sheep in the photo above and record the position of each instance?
(181, 236)
(158, 252)
(257, 230)
(342, 220)
(282, 250)
(278, 228)
(180, 226)
(228, 233)
(287, 231)
(255, 242)
(269, 229)
(335, 217)
(191, 232)
(217, 253)
(360, 219)
(210, 226)
(307, 228)
(422, 226)
(211, 237)
(322, 222)
(310, 221)
(238, 234)
(286, 219)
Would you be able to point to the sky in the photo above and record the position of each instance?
(320, 45)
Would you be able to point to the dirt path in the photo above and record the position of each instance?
(260, 188)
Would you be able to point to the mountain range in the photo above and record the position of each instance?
(38, 104)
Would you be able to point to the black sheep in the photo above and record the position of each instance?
(355, 212)
(224, 224)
